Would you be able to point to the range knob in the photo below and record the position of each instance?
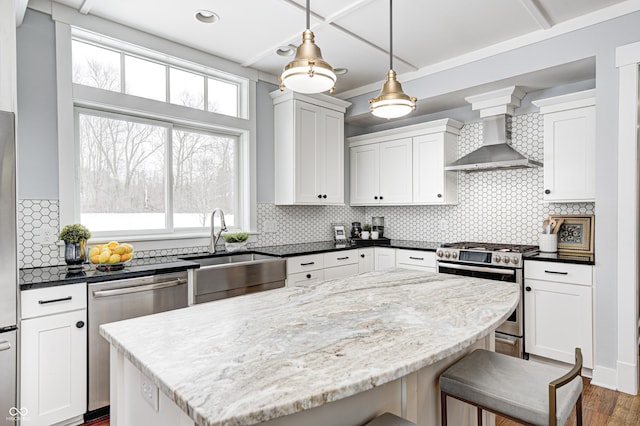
(505, 259)
(447, 254)
(514, 260)
(454, 255)
(439, 253)
(497, 258)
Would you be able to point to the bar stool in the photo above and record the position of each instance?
(388, 419)
(520, 390)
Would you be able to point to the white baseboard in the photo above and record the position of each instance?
(605, 377)
(628, 378)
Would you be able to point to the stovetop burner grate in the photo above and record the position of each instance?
(507, 248)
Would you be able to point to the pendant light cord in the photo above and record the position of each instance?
(390, 34)
(308, 15)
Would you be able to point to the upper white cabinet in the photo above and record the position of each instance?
(405, 165)
(569, 146)
(309, 148)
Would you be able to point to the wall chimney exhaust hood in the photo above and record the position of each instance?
(496, 152)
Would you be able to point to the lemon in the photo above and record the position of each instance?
(95, 258)
(125, 257)
(104, 257)
(113, 244)
(128, 247)
(94, 251)
(120, 250)
(115, 258)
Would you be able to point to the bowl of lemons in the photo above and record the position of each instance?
(111, 256)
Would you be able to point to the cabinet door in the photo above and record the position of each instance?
(341, 271)
(330, 156)
(569, 155)
(428, 173)
(396, 177)
(365, 188)
(307, 139)
(305, 278)
(365, 260)
(558, 318)
(385, 258)
(54, 367)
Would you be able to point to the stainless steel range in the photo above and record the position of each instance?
(501, 262)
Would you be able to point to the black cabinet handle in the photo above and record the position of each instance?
(527, 288)
(308, 263)
(416, 258)
(80, 324)
(381, 197)
(362, 255)
(319, 195)
(308, 275)
(62, 299)
(556, 272)
(342, 258)
(547, 191)
(375, 198)
(439, 195)
(324, 196)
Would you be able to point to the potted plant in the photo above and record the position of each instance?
(366, 230)
(234, 241)
(75, 243)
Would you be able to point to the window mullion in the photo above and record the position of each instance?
(122, 72)
(169, 180)
(206, 93)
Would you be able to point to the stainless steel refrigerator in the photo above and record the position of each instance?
(8, 271)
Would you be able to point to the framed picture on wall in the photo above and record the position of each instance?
(575, 235)
(339, 233)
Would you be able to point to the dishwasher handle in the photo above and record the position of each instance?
(137, 289)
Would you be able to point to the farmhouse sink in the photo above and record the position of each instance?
(223, 276)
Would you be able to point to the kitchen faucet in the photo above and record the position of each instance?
(223, 227)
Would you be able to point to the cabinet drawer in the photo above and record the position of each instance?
(415, 258)
(340, 258)
(53, 300)
(559, 272)
(341, 271)
(304, 263)
(305, 278)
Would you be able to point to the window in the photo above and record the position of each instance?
(137, 165)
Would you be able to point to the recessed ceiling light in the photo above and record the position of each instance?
(286, 50)
(207, 16)
(340, 71)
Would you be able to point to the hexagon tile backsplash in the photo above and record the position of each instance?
(501, 206)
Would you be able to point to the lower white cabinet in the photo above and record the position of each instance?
(559, 314)
(309, 277)
(365, 260)
(53, 371)
(324, 266)
(385, 258)
(416, 259)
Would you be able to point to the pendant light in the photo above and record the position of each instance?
(308, 72)
(392, 102)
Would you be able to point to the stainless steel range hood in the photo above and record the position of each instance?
(496, 151)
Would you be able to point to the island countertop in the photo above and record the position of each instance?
(253, 358)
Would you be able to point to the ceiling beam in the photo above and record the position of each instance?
(86, 7)
(21, 9)
(538, 13)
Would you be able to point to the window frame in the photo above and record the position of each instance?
(72, 96)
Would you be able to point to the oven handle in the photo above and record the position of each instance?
(507, 340)
(136, 289)
(478, 268)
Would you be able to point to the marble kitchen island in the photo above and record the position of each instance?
(334, 353)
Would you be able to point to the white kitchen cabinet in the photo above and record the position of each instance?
(385, 258)
(381, 173)
(53, 358)
(309, 148)
(405, 166)
(558, 302)
(365, 260)
(417, 260)
(569, 147)
(340, 264)
(323, 266)
(309, 277)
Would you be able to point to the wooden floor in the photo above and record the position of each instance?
(600, 407)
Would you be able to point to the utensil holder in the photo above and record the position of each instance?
(548, 243)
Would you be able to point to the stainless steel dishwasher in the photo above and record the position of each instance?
(119, 300)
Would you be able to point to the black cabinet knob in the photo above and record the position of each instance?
(375, 198)
(439, 195)
(381, 197)
(324, 196)
(527, 288)
(547, 191)
(362, 255)
(308, 275)
(319, 195)
(80, 324)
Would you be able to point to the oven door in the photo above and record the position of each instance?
(514, 324)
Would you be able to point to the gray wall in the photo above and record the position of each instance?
(37, 111)
(597, 41)
(265, 173)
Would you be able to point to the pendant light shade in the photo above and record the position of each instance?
(308, 72)
(392, 102)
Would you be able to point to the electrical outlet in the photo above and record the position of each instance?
(45, 235)
(270, 226)
(149, 392)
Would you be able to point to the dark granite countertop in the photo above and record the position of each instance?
(564, 258)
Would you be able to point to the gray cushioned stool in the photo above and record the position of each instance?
(521, 390)
(388, 419)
